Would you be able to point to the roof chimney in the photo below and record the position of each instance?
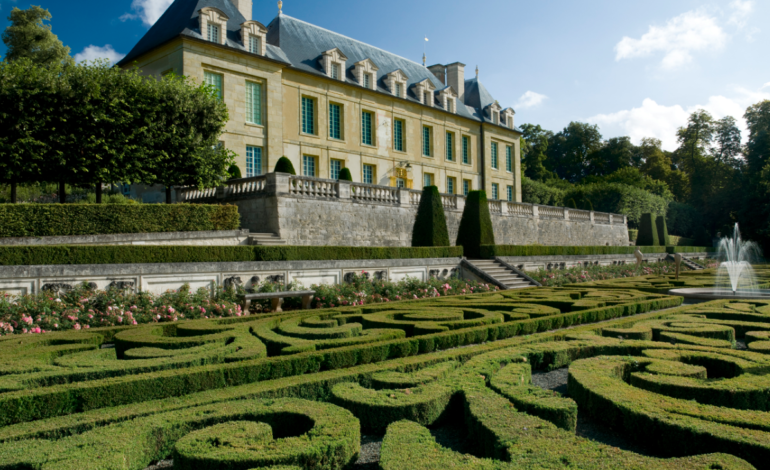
(455, 74)
(439, 71)
(244, 6)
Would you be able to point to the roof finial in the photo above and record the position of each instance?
(424, 58)
(280, 7)
(477, 71)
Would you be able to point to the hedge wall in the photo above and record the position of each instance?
(430, 223)
(125, 254)
(490, 251)
(476, 225)
(648, 232)
(42, 220)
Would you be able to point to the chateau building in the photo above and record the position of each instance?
(329, 102)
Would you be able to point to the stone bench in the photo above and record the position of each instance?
(277, 299)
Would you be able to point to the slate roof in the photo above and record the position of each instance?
(301, 45)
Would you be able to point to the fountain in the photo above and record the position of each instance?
(735, 277)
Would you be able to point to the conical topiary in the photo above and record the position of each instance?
(476, 225)
(648, 232)
(234, 172)
(284, 166)
(660, 225)
(345, 175)
(430, 223)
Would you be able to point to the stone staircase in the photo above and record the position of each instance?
(503, 274)
(687, 262)
(265, 239)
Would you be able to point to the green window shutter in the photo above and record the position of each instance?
(308, 166)
(254, 103)
(335, 129)
(214, 80)
(494, 155)
(253, 161)
(449, 147)
(368, 174)
(466, 187)
(366, 128)
(308, 115)
(508, 158)
(335, 166)
(495, 191)
(426, 141)
(466, 150)
(398, 135)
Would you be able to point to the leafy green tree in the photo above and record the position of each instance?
(694, 141)
(755, 215)
(633, 177)
(569, 150)
(614, 154)
(727, 142)
(29, 37)
(534, 146)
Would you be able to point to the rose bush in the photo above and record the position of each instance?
(559, 278)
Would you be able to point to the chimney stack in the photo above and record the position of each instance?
(244, 6)
(439, 71)
(455, 74)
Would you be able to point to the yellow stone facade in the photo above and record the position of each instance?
(281, 132)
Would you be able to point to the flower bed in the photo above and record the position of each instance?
(600, 273)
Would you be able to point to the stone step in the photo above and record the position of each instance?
(265, 239)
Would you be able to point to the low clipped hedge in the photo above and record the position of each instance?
(141, 254)
(47, 220)
(690, 249)
(490, 251)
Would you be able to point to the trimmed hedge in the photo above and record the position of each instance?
(660, 226)
(140, 254)
(345, 175)
(476, 225)
(690, 249)
(47, 220)
(490, 251)
(284, 165)
(648, 232)
(430, 223)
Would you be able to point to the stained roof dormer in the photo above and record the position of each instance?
(365, 72)
(213, 24)
(492, 112)
(448, 99)
(507, 117)
(253, 35)
(396, 82)
(333, 64)
(423, 90)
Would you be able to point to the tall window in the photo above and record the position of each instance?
(399, 91)
(213, 33)
(466, 187)
(255, 45)
(367, 136)
(253, 161)
(510, 193)
(466, 150)
(450, 150)
(494, 155)
(336, 71)
(308, 115)
(367, 80)
(254, 103)
(450, 185)
(508, 159)
(427, 179)
(495, 191)
(335, 121)
(369, 174)
(426, 136)
(214, 80)
(398, 135)
(335, 166)
(308, 165)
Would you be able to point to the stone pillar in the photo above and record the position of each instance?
(592, 216)
(503, 207)
(343, 189)
(535, 212)
(566, 214)
(461, 203)
(277, 183)
(611, 219)
(403, 197)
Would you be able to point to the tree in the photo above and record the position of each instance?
(29, 37)
(614, 154)
(727, 141)
(694, 141)
(755, 215)
(430, 223)
(534, 145)
(568, 151)
(344, 175)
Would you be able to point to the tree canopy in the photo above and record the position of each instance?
(28, 37)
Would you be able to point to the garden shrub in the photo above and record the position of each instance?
(648, 232)
(476, 225)
(430, 223)
(345, 175)
(41, 220)
(660, 226)
(127, 254)
(284, 165)
(617, 198)
(683, 219)
(539, 250)
(234, 172)
(632, 234)
(535, 192)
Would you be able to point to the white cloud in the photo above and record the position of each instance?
(741, 12)
(530, 99)
(92, 52)
(656, 120)
(147, 10)
(677, 39)
(766, 85)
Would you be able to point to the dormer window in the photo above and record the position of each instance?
(213, 24)
(365, 72)
(492, 111)
(253, 34)
(450, 106)
(448, 99)
(424, 92)
(396, 82)
(495, 117)
(333, 64)
(508, 115)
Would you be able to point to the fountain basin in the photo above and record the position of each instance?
(704, 294)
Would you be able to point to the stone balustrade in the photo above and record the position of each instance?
(281, 184)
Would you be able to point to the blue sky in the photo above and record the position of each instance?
(635, 68)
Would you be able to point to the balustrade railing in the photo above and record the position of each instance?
(495, 207)
(515, 208)
(579, 215)
(246, 186)
(194, 194)
(618, 219)
(313, 187)
(374, 193)
(602, 218)
(449, 201)
(547, 212)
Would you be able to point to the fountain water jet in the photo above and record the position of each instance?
(735, 277)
